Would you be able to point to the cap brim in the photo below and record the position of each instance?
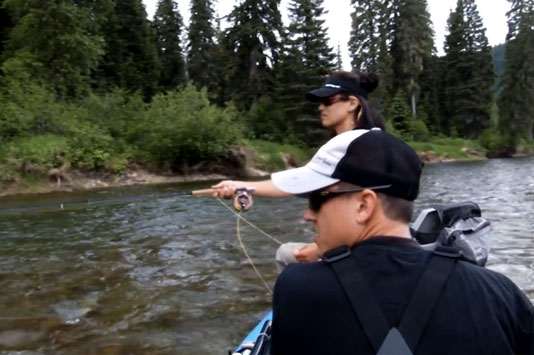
(301, 180)
(321, 93)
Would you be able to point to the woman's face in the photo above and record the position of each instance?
(337, 113)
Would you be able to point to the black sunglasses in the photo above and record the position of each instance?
(327, 101)
(317, 198)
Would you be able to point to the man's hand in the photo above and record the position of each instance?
(307, 254)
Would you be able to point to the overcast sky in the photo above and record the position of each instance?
(493, 13)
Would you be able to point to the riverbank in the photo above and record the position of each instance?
(254, 161)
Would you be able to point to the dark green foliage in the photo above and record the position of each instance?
(411, 44)
(369, 45)
(431, 102)
(398, 113)
(469, 72)
(203, 56)
(130, 60)
(403, 123)
(304, 64)
(491, 139)
(252, 49)
(516, 112)
(65, 43)
(267, 121)
(168, 27)
(5, 26)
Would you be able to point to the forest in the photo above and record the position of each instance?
(98, 86)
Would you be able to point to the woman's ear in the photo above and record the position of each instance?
(354, 103)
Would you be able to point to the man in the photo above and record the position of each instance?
(361, 186)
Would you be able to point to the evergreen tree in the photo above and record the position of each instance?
(516, 113)
(203, 53)
(168, 26)
(306, 61)
(370, 39)
(130, 60)
(432, 97)
(412, 43)
(252, 49)
(55, 43)
(5, 26)
(339, 60)
(469, 75)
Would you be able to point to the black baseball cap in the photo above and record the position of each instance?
(334, 85)
(361, 157)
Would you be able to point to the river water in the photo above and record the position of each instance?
(167, 276)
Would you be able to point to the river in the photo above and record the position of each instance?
(167, 276)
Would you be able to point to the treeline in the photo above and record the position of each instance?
(96, 84)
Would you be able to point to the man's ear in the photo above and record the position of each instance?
(367, 203)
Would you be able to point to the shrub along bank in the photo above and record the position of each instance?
(178, 132)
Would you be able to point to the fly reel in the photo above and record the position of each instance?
(243, 200)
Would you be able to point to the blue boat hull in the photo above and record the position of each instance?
(256, 342)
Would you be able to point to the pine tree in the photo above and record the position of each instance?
(469, 72)
(370, 39)
(431, 101)
(516, 112)
(306, 61)
(412, 43)
(168, 26)
(131, 59)
(5, 26)
(252, 48)
(55, 43)
(371, 28)
(202, 56)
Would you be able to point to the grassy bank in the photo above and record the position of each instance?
(263, 156)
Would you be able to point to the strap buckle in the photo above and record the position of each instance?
(336, 254)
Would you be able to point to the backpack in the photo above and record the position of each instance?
(460, 226)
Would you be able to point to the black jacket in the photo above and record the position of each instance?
(478, 312)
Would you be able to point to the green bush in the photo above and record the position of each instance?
(35, 154)
(182, 127)
(417, 131)
(491, 139)
(266, 121)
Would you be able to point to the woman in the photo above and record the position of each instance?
(343, 106)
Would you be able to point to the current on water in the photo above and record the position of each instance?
(167, 276)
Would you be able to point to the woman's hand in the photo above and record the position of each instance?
(307, 254)
(227, 188)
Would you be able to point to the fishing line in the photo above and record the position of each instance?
(239, 217)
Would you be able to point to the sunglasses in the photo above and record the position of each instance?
(327, 101)
(317, 198)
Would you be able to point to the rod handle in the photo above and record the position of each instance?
(202, 192)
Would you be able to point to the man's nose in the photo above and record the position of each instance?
(309, 215)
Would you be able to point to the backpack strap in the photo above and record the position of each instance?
(426, 294)
(368, 311)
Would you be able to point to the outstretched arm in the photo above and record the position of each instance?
(264, 188)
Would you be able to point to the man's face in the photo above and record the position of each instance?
(334, 220)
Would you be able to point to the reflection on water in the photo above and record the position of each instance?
(167, 276)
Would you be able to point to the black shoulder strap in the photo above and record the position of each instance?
(426, 294)
(367, 309)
